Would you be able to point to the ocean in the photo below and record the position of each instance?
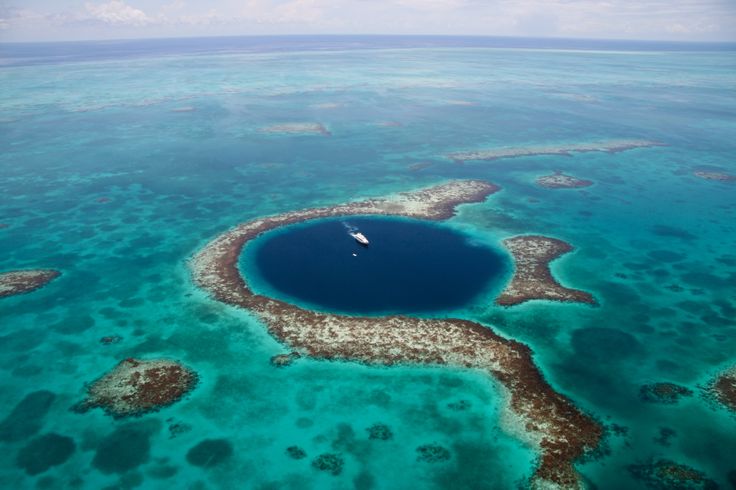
(119, 160)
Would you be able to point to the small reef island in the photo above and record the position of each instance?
(297, 128)
(136, 386)
(558, 180)
(549, 420)
(25, 281)
(613, 146)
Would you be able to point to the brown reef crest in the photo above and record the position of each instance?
(723, 389)
(551, 421)
(20, 282)
(136, 386)
(613, 146)
(532, 277)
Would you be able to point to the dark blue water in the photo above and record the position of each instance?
(410, 266)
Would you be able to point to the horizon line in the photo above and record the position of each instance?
(336, 35)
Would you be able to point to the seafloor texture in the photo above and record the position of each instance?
(532, 278)
(20, 282)
(557, 428)
(119, 160)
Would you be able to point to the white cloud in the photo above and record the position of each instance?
(117, 12)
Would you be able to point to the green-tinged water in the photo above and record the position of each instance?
(104, 177)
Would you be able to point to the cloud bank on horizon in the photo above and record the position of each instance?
(682, 20)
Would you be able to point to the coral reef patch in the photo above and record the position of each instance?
(283, 360)
(380, 432)
(668, 475)
(532, 278)
(560, 431)
(723, 389)
(558, 180)
(666, 393)
(25, 281)
(295, 452)
(135, 387)
(720, 176)
(433, 453)
(613, 146)
(329, 463)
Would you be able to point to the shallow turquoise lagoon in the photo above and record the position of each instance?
(115, 170)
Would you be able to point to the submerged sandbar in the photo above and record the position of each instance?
(25, 281)
(561, 432)
(532, 278)
(612, 146)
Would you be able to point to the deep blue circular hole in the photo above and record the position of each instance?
(410, 266)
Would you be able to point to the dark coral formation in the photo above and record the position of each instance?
(283, 360)
(561, 432)
(666, 393)
(135, 387)
(668, 475)
(558, 180)
(177, 428)
(459, 406)
(432, 453)
(20, 282)
(210, 452)
(27, 417)
(295, 452)
(532, 277)
(125, 448)
(665, 434)
(110, 339)
(531, 151)
(45, 451)
(329, 462)
(380, 432)
(723, 389)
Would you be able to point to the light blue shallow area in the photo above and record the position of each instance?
(116, 171)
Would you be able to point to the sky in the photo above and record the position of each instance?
(674, 20)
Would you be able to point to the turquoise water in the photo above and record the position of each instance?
(170, 143)
(410, 266)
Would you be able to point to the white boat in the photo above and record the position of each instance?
(359, 237)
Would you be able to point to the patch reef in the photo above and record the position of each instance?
(561, 432)
(136, 386)
(20, 282)
(614, 146)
